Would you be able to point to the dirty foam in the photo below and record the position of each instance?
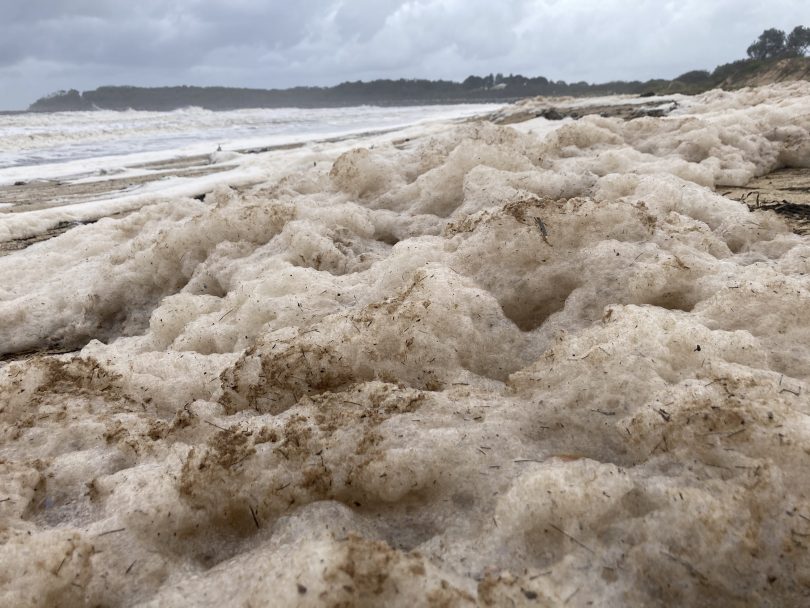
(541, 365)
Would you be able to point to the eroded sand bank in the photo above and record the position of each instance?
(523, 365)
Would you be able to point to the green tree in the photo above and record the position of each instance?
(694, 77)
(798, 41)
(473, 82)
(771, 43)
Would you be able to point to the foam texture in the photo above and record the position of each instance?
(485, 366)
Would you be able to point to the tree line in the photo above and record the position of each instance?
(475, 89)
(772, 44)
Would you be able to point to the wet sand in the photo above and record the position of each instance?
(35, 195)
(46, 194)
(627, 111)
(784, 191)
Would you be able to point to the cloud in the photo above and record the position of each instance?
(52, 44)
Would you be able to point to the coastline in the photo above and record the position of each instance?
(47, 194)
(136, 182)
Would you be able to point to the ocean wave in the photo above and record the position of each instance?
(32, 138)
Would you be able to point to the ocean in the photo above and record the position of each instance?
(63, 167)
(105, 139)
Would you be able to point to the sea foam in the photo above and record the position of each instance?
(477, 365)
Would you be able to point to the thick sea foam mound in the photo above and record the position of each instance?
(540, 365)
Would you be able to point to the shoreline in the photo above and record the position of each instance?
(785, 192)
(50, 195)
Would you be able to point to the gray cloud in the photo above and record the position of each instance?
(53, 44)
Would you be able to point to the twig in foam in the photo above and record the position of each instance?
(226, 314)
(543, 230)
(689, 567)
(564, 533)
(215, 425)
(570, 597)
(255, 517)
(787, 390)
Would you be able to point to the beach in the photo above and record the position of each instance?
(552, 353)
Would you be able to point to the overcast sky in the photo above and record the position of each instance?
(47, 45)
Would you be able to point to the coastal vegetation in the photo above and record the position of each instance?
(774, 56)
